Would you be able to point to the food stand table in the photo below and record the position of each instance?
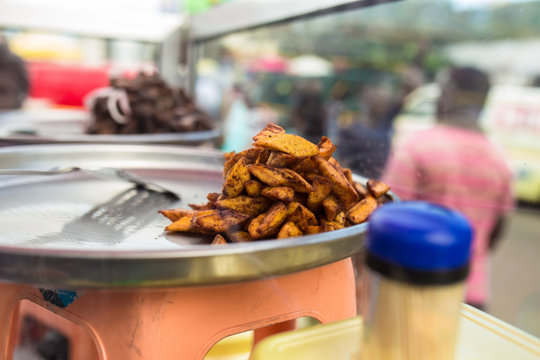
(482, 337)
(96, 250)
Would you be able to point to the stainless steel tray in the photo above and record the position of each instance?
(75, 231)
(21, 127)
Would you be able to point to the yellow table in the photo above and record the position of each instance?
(482, 337)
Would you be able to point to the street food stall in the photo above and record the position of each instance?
(249, 239)
(72, 93)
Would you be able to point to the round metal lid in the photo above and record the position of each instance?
(75, 231)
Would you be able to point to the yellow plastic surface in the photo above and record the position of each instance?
(235, 347)
(337, 340)
(482, 337)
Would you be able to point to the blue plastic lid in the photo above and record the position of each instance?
(420, 236)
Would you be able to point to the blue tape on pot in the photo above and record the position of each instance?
(59, 297)
(419, 236)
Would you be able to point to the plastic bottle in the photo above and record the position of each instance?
(417, 260)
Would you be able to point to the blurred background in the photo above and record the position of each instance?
(363, 73)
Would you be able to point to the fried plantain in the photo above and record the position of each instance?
(326, 148)
(362, 210)
(175, 214)
(280, 177)
(279, 159)
(269, 131)
(289, 144)
(220, 221)
(360, 190)
(270, 223)
(321, 189)
(279, 193)
(341, 186)
(377, 188)
(237, 176)
(289, 230)
(219, 240)
(240, 236)
(331, 206)
(253, 187)
(244, 204)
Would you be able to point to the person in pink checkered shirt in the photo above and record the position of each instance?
(455, 164)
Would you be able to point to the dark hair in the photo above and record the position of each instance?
(463, 90)
(14, 81)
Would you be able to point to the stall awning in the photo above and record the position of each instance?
(153, 28)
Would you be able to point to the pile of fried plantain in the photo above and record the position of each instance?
(284, 186)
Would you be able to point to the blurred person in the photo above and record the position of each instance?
(14, 82)
(365, 146)
(455, 165)
(309, 114)
(536, 81)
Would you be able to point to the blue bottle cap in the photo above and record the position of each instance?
(420, 237)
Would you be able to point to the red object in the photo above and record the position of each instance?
(65, 84)
(271, 64)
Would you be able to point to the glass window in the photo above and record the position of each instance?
(436, 97)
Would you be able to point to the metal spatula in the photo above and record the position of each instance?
(107, 173)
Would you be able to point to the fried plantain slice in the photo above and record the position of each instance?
(326, 227)
(377, 188)
(208, 206)
(183, 224)
(244, 204)
(289, 144)
(309, 176)
(175, 214)
(313, 230)
(340, 220)
(321, 189)
(341, 186)
(279, 159)
(360, 190)
(326, 148)
(289, 230)
(269, 131)
(362, 210)
(270, 223)
(331, 207)
(334, 162)
(199, 213)
(219, 240)
(230, 160)
(253, 187)
(386, 198)
(254, 224)
(279, 193)
(263, 156)
(213, 197)
(249, 155)
(237, 176)
(304, 166)
(336, 224)
(220, 221)
(295, 215)
(348, 174)
(229, 155)
(240, 236)
(297, 211)
(280, 177)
